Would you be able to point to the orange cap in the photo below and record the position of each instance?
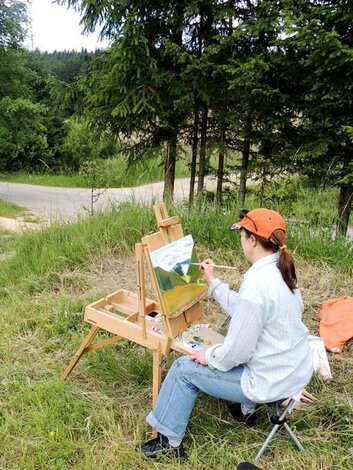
(261, 222)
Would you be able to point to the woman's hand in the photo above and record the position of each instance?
(208, 271)
(199, 357)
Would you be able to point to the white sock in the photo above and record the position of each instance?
(247, 409)
(174, 442)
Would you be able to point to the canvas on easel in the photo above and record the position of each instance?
(178, 279)
(154, 324)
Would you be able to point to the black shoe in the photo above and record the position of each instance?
(249, 418)
(247, 466)
(160, 446)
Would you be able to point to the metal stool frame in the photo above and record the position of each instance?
(279, 419)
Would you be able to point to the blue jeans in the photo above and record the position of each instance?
(179, 391)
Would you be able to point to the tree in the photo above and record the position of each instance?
(320, 42)
(13, 18)
(32, 108)
(22, 133)
(134, 88)
(65, 66)
(91, 172)
(258, 77)
(235, 76)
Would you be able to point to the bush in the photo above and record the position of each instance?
(83, 143)
(22, 133)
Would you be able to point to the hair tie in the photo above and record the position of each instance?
(283, 247)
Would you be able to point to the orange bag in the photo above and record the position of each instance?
(336, 323)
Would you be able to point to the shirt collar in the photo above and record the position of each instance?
(269, 259)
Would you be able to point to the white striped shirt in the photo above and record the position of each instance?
(266, 334)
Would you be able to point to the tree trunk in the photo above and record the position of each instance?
(230, 26)
(202, 159)
(244, 162)
(170, 168)
(195, 141)
(169, 178)
(220, 170)
(266, 152)
(344, 207)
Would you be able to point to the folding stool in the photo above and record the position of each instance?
(279, 419)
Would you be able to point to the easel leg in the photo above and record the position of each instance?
(156, 378)
(87, 341)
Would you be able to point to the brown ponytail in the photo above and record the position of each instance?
(285, 263)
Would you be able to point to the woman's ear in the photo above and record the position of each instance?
(253, 240)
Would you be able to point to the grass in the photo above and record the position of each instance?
(43, 179)
(7, 241)
(96, 419)
(115, 174)
(306, 239)
(10, 210)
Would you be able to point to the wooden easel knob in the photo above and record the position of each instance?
(169, 221)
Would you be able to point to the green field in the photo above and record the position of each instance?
(96, 419)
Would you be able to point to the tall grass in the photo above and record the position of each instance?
(210, 227)
(40, 256)
(115, 173)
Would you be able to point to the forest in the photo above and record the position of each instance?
(267, 81)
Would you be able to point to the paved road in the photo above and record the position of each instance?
(68, 203)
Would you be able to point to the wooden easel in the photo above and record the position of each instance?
(124, 313)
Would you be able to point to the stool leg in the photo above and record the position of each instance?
(276, 427)
(268, 440)
(294, 437)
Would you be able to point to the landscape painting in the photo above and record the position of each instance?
(180, 282)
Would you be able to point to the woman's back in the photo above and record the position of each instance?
(281, 364)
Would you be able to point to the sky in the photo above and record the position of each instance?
(55, 27)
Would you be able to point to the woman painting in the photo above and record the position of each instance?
(265, 356)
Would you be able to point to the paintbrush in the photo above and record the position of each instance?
(216, 266)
